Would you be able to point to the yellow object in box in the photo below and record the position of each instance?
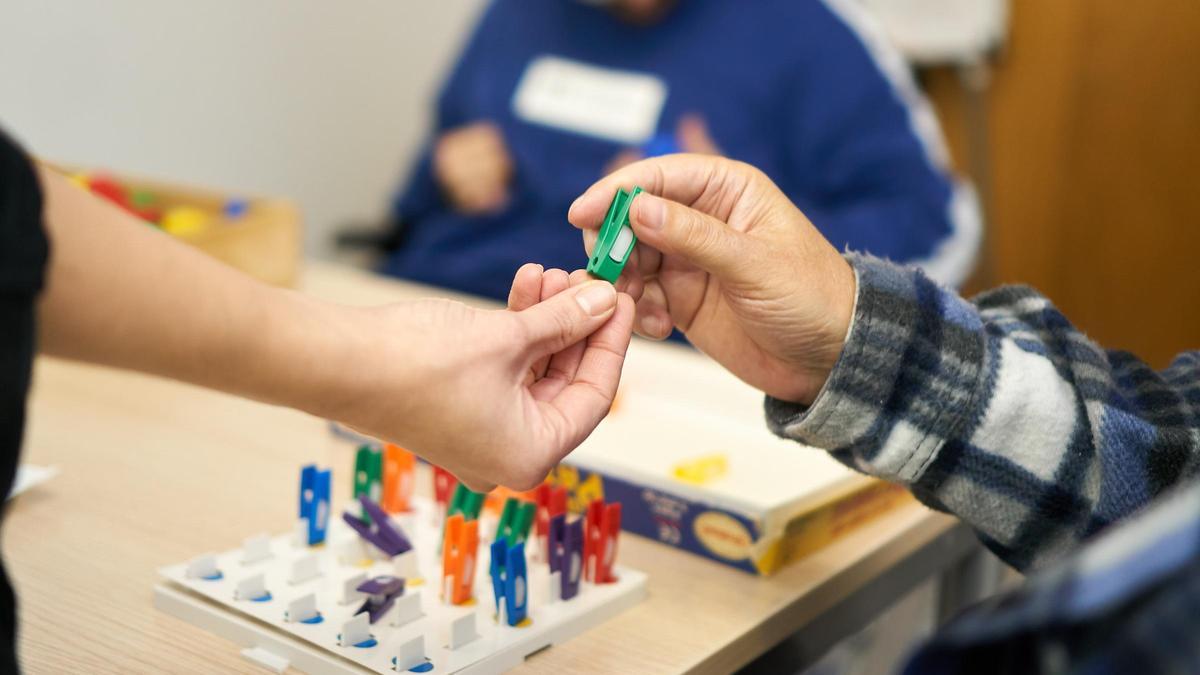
(184, 220)
(702, 470)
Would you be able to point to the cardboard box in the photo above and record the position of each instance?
(264, 240)
(775, 502)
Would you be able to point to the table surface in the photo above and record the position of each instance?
(155, 472)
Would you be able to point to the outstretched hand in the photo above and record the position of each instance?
(724, 256)
(502, 396)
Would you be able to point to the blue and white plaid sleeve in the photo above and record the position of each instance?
(1000, 412)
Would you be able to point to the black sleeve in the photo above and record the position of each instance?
(23, 253)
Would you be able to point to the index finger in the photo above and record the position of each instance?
(680, 178)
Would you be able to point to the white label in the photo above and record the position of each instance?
(615, 105)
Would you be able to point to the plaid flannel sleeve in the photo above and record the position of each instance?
(1000, 412)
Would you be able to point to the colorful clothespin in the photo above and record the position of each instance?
(381, 595)
(510, 581)
(551, 501)
(515, 521)
(603, 526)
(399, 466)
(466, 502)
(444, 484)
(378, 529)
(314, 501)
(571, 559)
(616, 239)
(459, 548)
(368, 470)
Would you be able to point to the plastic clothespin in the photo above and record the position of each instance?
(466, 502)
(510, 581)
(556, 542)
(571, 560)
(368, 470)
(551, 501)
(616, 239)
(314, 501)
(444, 484)
(515, 521)
(603, 526)
(381, 595)
(399, 466)
(378, 529)
(459, 548)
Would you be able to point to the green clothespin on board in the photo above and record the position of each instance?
(616, 239)
(515, 521)
(368, 476)
(466, 502)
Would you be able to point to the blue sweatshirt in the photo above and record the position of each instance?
(799, 88)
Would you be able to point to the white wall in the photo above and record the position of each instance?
(323, 102)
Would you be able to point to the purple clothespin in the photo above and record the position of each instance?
(381, 595)
(555, 542)
(381, 532)
(572, 560)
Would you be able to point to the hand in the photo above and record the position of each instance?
(725, 257)
(693, 136)
(496, 397)
(474, 168)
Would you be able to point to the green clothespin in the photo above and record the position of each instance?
(368, 476)
(515, 521)
(466, 502)
(616, 239)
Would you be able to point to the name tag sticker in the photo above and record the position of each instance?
(615, 105)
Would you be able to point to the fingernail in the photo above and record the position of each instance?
(651, 211)
(596, 297)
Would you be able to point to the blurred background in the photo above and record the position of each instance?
(1077, 120)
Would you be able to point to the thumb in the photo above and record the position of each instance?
(564, 319)
(700, 239)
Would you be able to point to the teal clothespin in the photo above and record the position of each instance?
(616, 239)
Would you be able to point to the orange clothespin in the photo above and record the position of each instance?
(444, 483)
(602, 525)
(399, 467)
(459, 550)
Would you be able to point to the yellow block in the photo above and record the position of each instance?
(702, 470)
(184, 220)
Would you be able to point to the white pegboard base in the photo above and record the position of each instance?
(313, 648)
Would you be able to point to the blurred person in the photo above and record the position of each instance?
(548, 95)
(493, 396)
(1077, 465)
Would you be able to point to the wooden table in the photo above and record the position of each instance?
(156, 472)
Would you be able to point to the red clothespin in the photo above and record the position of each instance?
(444, 483)
(602, 526)
(551, 501)
(459, 550)
(399, 467)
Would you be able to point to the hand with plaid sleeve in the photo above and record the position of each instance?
(997, 410)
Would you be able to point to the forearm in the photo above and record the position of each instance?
(999, 412)
(122, 294)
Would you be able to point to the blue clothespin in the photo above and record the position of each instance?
(496, 569)
(510, 580)
(314, 501)
(516, 585)
(379, 530)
